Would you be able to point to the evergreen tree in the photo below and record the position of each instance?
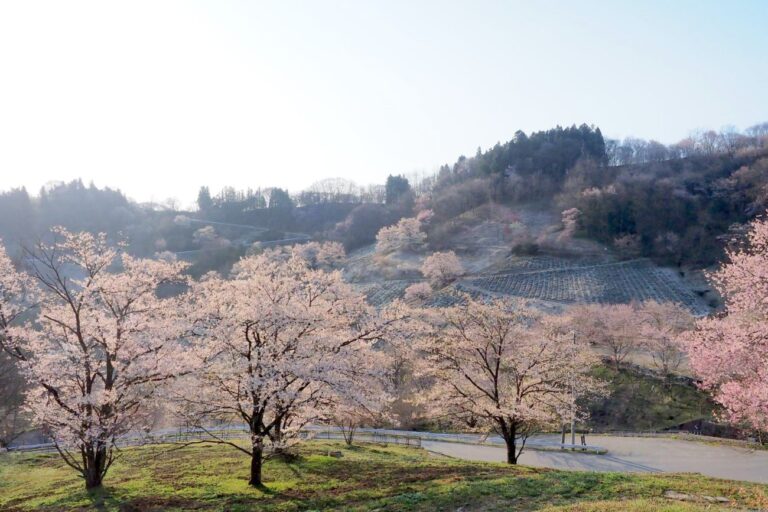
(396, 187)
(204, 201)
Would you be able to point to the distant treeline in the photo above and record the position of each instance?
(332, 208)
(74, 205)
(678, 203)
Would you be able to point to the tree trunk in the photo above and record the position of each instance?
(92, 479)
(95, 459)
(511, 450)
(509, 433)
(348, 432)
(256, 463)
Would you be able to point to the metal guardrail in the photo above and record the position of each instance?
(371, 437)
(381, 436)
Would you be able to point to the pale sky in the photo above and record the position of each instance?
(159, 97)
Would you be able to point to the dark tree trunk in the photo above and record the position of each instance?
(348, 432)
(510, 437)
(96, 459)
(511, 451)
(256, 463)
(92, 479)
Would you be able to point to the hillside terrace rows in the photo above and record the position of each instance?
(551, 279)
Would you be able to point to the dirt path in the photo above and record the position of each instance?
(633, 454)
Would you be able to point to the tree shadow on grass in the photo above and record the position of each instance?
(264, 489)
(292, 467)
(105, 500)
(102, 499)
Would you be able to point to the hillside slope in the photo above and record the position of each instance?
(561, 272)
(365, 477)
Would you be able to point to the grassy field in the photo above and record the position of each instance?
(638, 402)
(368, 477)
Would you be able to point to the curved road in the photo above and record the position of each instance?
(631, 454)
(624, 454)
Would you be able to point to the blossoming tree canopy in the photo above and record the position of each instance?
(501, 365)
(613, 327)
(367, 400)
(17, 295)
(275, 346)
(102, 343)
(729, 352)
(418, 292)
(406, 235)
(440, 268)
(661, 325)
(326, 255)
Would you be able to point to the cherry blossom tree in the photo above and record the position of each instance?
(349, 417)
(368, 403)
(276, 347)
(17, 296)
(441, 268)
(729, 351)
(418, 292)
(612, 327)
(326, 255)
(662, 323)
(100, 347)
(406, 235)
(425, 216)
(205, 236)
(570, 218)
(501, 365)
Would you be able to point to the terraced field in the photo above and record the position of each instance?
(555, 280)
(379, 293)
(526, 264)
(558, 280)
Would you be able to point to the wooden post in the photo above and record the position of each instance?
(573, 403)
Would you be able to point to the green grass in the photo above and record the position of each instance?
(638, 402)
(368, 477)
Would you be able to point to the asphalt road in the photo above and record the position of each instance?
(632, 454)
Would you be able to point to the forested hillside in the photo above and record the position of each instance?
(678, 204)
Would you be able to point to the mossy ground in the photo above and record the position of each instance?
(367, 477)
(638, 402)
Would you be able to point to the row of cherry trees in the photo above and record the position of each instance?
(647, 329)
(105, 340)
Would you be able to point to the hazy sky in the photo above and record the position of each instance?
(159, 97)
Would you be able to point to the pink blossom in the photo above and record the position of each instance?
(101, 345)
(729, 351)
